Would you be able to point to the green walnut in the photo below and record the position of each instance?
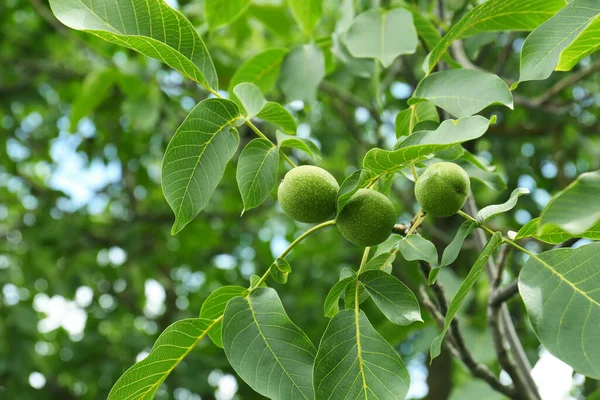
(443, 188)
(308, 194)
(367, 219)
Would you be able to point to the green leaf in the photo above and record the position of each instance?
(357, 180)
(560, 291)
(307, 13)
(271, 354)
(355, 362)
(465, 287)
(95, 89)
(196, 157)
(381, 262)
(222, 12)
(361, 67)
(585, 44)
(257, 172)
(214, 306)
(463, 92)
(254, 102)
(493, 180)
(395, 300)
(497, 16)
(350, 295)
(554, 234)
(451, 251)
(250, 98)
(302, 144)
(543, 47)
(382, 34)
(280, 269)
(576, 208)
(151, 28)
(490, 211)
(429, 33)
(142, 380)
(424, 143)
(261, 69)
(278, 115)
(423, 111)
(415, 247)
(254, 279)
(332, 301)
(302, 72)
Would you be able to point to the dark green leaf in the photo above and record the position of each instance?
(280, 269)
(302, 144)
(196, 157)
(357, 180)
(262, 70)
(355, 362)
(554, 234)
(414, 247)
(143, 379)
(465, 287)
(451, 251)
(395, 300)
(214, 306)
(301, 73)
(382, 262)
(422, 111)
(222, 12)
(257, 172)
(271, 354)
(332, 300)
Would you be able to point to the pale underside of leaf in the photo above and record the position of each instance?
(150, 27)
(142, 380)
(355, 362)
(560, 289)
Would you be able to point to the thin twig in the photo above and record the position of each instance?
(500, 265)
(349, 99)
(504, 293)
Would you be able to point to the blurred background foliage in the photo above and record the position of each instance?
(89, 273)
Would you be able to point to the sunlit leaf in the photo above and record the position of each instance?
(463, 291)
(381, 262)
(451, 251)
(196, 157)
(585, 44)
(576, 208)
(261, 69)
(152, 28)
(543, 47)
(271, 354)
(488, 212)
(95, 88)
(463, 92)
(278, 115)
(302, 144)
(395, 300)
(382, 34)
(424, 143)
(301, 73)
(332, 300)
(423, 111)
(416, 247)
(214, 306)
(222, 12)
(560, 290)
(355, 362)
(307, 13)
(497, 16)
(357, 180)
(143, 379)
(554, 234)
(280, 269)
(257, 171)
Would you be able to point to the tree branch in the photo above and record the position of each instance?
(478, 370)
(504, 293)
(349, 98)
(523, 368)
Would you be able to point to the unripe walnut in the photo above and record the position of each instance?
(367, 219)
(308, 194)
(443, 188)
